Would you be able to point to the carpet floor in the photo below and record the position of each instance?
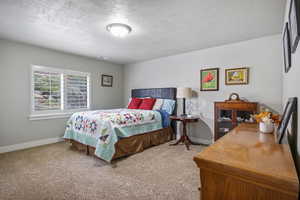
(57, 172)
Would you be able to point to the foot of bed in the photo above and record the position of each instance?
(87, 150)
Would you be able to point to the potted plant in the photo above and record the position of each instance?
(266, 120)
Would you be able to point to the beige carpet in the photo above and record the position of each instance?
(57, 172)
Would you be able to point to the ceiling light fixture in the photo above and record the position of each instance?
(118, 29)
(102, 57)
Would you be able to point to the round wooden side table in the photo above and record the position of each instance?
(184, 137)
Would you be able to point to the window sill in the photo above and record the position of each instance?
(58, 115)
(49, 116)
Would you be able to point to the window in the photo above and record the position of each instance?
(46, 91)
(58, 93)
(76, 91)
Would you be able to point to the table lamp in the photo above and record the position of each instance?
(184, 93)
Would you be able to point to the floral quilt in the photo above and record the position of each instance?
(102, 128)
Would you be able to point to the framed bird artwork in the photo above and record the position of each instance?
(209, 79)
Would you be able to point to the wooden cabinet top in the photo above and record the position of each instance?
(237, 105)
(248, 154)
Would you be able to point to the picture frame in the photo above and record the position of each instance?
(286, 48)
(209, 79)
(294, 24)
(106, 80)
(237, 76)
(290, 110)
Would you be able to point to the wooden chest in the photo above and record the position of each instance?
(246, 164)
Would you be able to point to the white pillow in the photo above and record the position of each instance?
(158, 104)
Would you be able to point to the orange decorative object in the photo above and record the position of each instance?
(262, 116)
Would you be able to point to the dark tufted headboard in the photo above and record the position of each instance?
(159, 93)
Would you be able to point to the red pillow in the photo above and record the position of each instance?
(147, 104)
(135, 103)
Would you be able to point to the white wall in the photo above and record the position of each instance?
(15, 61)
(291, 80)
(263, 56)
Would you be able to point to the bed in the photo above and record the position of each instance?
(116, 133)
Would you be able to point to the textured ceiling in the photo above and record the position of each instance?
(160, 27)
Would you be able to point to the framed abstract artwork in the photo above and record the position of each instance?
(290, 110)
(106, 80)
(237, 76)
(294, 23)
(209, 79)
(286, 48)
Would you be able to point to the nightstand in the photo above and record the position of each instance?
(184, 137)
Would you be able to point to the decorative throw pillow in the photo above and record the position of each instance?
(135, 103)
(147, 104)
(168, 105)
(158, 104)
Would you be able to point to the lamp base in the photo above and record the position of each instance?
(183, 108)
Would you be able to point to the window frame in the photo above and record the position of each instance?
(62, 112)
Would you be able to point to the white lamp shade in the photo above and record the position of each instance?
(184, 92)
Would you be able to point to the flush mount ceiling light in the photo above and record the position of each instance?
(118, 29)
(102, 57)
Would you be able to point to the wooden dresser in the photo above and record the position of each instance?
(246, 164)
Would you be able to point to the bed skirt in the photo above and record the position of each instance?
(131, 145)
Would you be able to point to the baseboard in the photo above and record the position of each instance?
(27, 145)
(200, 140)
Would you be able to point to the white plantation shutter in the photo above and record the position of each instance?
(76, 91)
(56, 91)
(47, 92)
